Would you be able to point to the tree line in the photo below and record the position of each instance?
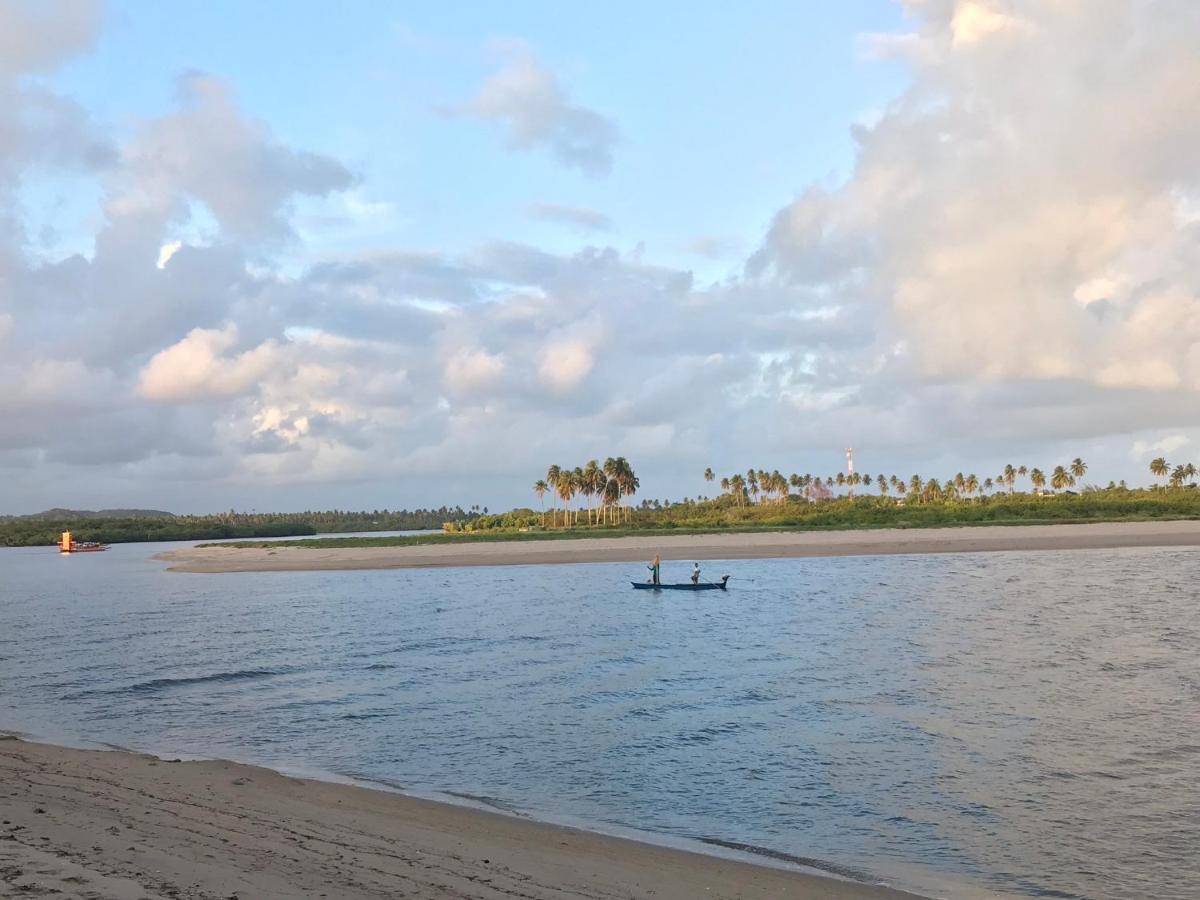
(761, 485)
(44, 529)
(606, 486)
(1175, 475)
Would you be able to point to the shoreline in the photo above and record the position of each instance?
(735, 545)
(129, 825)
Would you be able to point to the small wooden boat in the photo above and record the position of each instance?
(685, 586)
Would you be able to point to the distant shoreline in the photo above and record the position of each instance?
(640, 548)
(130, 825)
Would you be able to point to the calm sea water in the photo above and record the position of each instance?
(1009, 723)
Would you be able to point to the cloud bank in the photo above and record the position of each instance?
(1013, 266)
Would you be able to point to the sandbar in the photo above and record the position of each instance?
(748, 545)
(127, 826)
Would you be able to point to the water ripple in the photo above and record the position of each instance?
(1009, 723)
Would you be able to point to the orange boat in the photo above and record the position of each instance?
(69, 545)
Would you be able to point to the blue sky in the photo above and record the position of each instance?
(370, 254)
(721, 112)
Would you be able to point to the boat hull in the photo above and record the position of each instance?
(707, 586)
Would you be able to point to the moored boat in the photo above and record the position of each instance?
(68, 544)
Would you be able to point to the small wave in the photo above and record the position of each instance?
(362, 717)
(712, 732)
(157, 685)
(484, 800)
(809, 862)
(750, 696)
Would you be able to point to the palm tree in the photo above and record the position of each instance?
(881, 482)
(914, 485)
(708, 474)
(1009, 475)
(725, 485)
(1059, 478)
(738, 485)
(1022, 471)
(987, 485)
(933, 490)
(627, 481)
(552, 476)
(565, 488)
(1189, 472)
(593, 483)
(1159, 467)
(578, 486)
(539, 488)
(1037, 478)
(971, 485)
(854, 479)
(611, 495)
(796, 482)
(1178, 475)
(1078, 467)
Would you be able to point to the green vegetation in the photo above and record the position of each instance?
(724, 515)
(759, 500)
(769, 500)
(44, 529)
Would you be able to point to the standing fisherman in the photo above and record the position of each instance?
(654, 567)
(695, 573)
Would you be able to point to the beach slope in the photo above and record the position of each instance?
(121, 825)
(751, 545)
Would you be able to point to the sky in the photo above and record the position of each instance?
(367, 255)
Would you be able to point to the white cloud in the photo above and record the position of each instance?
(528, 100)
(571, 215)
(472, 370)
(200, 367)
(166, 251)
(210, 152)
(709, 246)
(1011, 264)
(974, 21)
(1144, 450)
(565, 364)
(37, 36)
(1011, 221)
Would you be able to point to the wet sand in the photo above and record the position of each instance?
(111, 824)
(691, 547)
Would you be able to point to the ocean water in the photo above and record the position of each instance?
(1016, 724)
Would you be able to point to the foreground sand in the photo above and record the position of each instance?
(109, 824)
(692, 547)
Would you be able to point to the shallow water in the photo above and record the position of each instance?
(1014, 723)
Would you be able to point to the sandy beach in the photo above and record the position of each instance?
(691, 547)
(111, 824)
